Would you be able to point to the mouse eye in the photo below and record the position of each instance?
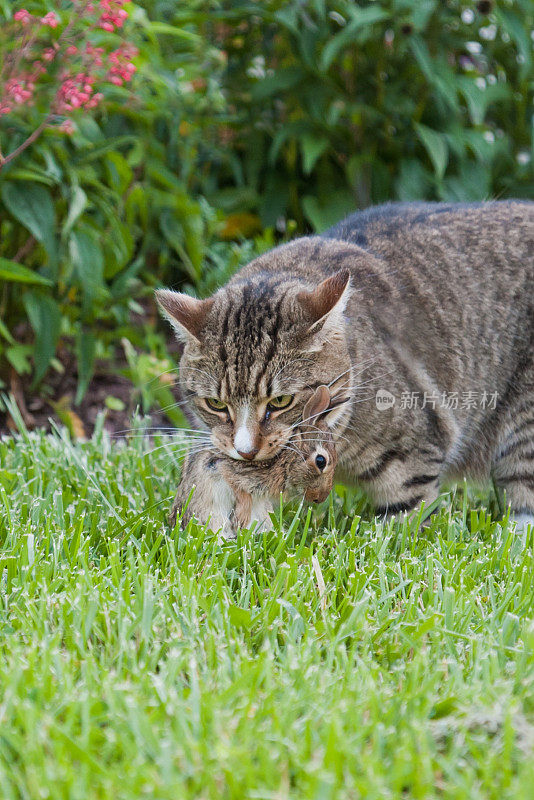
(320, 462)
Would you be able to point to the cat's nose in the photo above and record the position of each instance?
(245, 440)
(248, 455)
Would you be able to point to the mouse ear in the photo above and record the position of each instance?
(316, 405)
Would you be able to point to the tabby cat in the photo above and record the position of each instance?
(421, 316)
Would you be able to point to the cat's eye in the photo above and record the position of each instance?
(282, 401)
(215, 404)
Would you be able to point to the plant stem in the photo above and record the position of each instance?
(26, 143)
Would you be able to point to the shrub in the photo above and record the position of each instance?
(241, 118)
(93, 210)
(339, 104)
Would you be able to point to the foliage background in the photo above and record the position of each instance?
(245, 123)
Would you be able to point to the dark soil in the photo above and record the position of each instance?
(59, 391)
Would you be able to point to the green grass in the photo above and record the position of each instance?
(138, 662)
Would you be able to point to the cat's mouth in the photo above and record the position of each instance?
(255, 462)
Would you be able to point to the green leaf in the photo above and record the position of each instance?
(171, 30)
(119, 171)
(32, 205)
(172, 230)
(312, 148)
(78, 203)
(436, 146)
(88, 261)
(45, 318)
(240, 617)
(136, 207)
(281, 81)
(110, 144)
(120, 245)
(85, 353)
(17, 273)
(413, 182)
(27, 174)
(437, 73)
(354, 32)
(471, 184)
(4, 331)
(324, 214)
(290, 130)
(518, 30)
(174, 233)
(193, 231)
(19, 357)
(288, 18)
(114, 403)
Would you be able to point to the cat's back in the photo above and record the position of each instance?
(459, 226)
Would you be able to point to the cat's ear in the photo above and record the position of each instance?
(325, 305)
(186, 314)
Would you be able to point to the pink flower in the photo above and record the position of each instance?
(5, 108)
(49, 54)
(95, 54)
(22, 16)
(122, 69)
(113, 15)
(19, 89)
(71, 50)
(67, 127)
(51, 19)
(76, 91)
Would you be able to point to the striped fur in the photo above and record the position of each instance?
(440, 301)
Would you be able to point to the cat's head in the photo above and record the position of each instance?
(256, 351)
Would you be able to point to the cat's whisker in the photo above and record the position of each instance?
(174, 448)
(363, 383)
(316, 430)
(293, 450)
(200, 371)
(160, 375)
(301, 422)
(366, 364)
(335, 438)
(357, 400)
(177, 404)
(132, 434)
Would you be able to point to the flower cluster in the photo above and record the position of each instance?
(23, 16)
(77, 91)
(50, 20)
(113, 14)
(20, 90)
(83, 66)
(122, 69)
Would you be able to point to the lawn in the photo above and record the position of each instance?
(334, 657)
